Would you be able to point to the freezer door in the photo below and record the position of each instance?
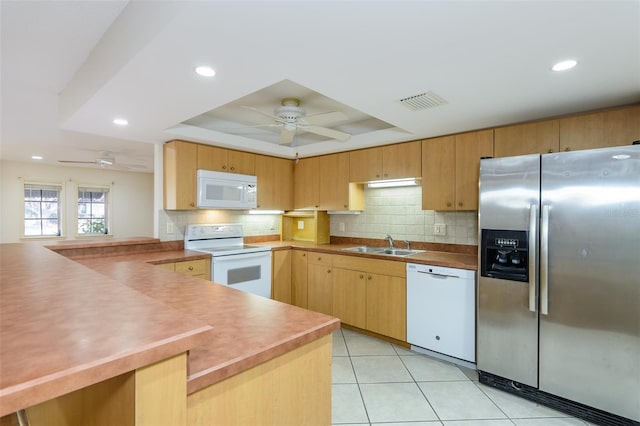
(590, 287)
(507, 337)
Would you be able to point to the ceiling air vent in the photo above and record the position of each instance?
(423, 101)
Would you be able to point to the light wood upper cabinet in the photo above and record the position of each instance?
(336, 193)
(299, 280)
(388, 162)
(306, 188)
(281, 276)
(540, 137)
(225, 160)
(275, 182)
(615, 127)
(450, 170)
(179, 175)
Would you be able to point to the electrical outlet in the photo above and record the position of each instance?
(301, 224)
(440, 229)
(170, 228)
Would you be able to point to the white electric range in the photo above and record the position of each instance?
(233, 263)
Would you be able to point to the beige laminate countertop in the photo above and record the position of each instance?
(436, 258)
(77, 322)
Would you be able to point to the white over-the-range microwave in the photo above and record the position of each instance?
(219, 190)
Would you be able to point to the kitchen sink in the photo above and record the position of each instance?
(399, 252)
(363, 249)
(382, 251)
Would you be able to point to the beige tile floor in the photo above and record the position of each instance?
(375, 382)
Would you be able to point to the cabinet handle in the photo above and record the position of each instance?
(328, 271)
(232, 168)
(386, 175)
(224, 167)
(319, 258)
(304, 254)
(369, 277)
(567, 149)
(459, 203)
(377, 175)
(346, 206)
(192, 204)
(190, 268)
(549, 150)
(361, 276)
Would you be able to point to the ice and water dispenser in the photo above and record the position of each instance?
(505, 254)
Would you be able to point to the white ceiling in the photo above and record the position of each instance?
(70, 67)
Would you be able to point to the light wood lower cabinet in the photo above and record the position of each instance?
(349, 296)
(299, 279)
(320, 283)
(371, 294)
(281, 276)
(200, 268)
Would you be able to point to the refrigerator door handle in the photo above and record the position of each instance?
(544, 261)
(533, 232)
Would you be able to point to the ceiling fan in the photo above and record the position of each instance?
(291, 117)
(105, 159)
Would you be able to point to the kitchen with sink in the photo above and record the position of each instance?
(298, 246)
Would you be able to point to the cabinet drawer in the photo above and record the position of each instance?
(193, 267)
(320, 259)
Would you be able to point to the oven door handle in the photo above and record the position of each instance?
(241, 256)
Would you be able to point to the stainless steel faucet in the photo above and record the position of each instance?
(388, 237)
(408, 244)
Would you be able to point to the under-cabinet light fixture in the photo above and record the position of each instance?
(392, 183)
(266, 211)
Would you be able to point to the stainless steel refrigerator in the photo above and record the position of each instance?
(559, 281)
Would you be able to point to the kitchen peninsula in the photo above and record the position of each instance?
(114, 339)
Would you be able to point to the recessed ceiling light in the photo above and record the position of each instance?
(205, 71)
(120, 121)
(565, 65)
(36, 157)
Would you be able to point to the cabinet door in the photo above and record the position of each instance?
(320, 288)
(275, 182)
(402, 160)
(541, 137)
(281, 276)
(600, 129)
(241, 162)
(299, 278)
(470, 147)
(387, 305)
(439, 173)
(334, 182)
(349, 296)
(307, 184)
(180, 165)
(365, 165)
(212, 158)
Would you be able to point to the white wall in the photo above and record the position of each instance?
(132, 197)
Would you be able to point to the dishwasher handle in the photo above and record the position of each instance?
(441, 276)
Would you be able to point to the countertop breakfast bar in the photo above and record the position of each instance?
(114, 339)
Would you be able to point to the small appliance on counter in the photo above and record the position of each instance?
(233, 263)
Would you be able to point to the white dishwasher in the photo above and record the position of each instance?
(441, 310)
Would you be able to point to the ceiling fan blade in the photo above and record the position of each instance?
(261, 112)
(324, 131)
(324, 118)
(287, 135)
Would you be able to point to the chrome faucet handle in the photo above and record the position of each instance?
(408, 244)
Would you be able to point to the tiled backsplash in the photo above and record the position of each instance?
(398, 212)
(395, 211)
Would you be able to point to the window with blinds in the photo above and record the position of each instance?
(42, 211)
(93, 209)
